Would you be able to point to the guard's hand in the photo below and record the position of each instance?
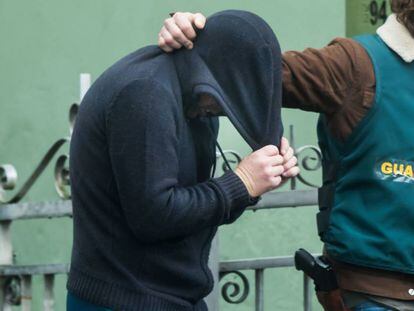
(179, 30)
(262, 170)
(289, 159)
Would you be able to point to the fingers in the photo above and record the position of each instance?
(293, 172)
(185, 23)
(284, 145)
(266, 169)
(168, 39)
(275, 182)
(289, 154)
(277, 160)
(199, 20)
(291, 163)
(163, 45)
(275, 171)
(176, 31)
(269, 150)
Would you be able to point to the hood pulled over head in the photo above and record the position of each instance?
(237, 60)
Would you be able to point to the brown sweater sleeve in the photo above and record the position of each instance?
(337, 80)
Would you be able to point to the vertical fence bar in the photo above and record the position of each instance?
(6, 249)
(6, 258)
(259, 274)
(85, 83)
(26, 285)
(307, 293)
(49, 299)
(2, 294)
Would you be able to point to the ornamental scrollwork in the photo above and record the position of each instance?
(9, 176)
(235, 290)
(309, 163)
(232, 157)
(309, 159)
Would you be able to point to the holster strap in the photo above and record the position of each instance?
(322, 221)
(326, 196)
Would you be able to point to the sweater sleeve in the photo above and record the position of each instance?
(143, 134)
(335, 78)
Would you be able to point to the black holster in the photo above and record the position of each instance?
(319, 269)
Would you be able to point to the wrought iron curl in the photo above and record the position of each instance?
(73, 112)
(62, 181)
(308, 162)
(234, 292)
(9, 176)
(232, 156)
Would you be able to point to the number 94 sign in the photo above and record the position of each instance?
(365, 16)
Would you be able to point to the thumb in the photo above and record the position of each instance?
(199, 20)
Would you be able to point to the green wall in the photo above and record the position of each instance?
(46, 44)
(365, 15)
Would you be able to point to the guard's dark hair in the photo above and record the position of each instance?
(405, 13)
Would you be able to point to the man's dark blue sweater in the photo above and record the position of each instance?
(145, 208)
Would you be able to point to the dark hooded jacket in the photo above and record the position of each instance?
(145, 208)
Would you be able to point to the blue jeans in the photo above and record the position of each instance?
(74, 303)
(371, 306)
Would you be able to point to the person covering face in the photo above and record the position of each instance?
(145, 204)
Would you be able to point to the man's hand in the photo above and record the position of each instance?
(179, 30)
(261, 171)
(267, 168)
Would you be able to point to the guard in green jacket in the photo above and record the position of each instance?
(367, 199)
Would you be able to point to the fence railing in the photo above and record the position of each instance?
(258, 266)
(237, 292)
(15, 281)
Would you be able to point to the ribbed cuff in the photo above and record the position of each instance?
(236, 196)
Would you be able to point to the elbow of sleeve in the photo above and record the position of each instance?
(149, 227)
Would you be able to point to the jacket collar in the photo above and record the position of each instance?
(398, 38)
